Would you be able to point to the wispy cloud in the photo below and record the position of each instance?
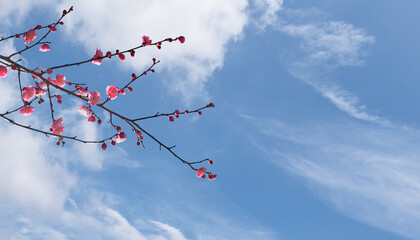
(367, 172)
(326, 45)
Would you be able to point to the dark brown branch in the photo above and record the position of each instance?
(170, 114)
(112, 55)
(52, 134)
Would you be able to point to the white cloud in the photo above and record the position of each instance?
(369, 173)
(13, 12)
(208, 28)
(331, 42)
(174, 234)
(269, 9)
(327, 45)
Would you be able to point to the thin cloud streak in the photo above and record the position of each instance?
(368, 173)
(327, 45)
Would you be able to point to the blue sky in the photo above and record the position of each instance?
(314, 135)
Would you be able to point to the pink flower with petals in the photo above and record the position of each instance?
(121, 137)
(60, 80)
(45, 48)
(112, 92)
(29, 36)
(84, 111)
(146, 41)
(40, 92)
(97, 59)
(27, 110)
(28, 93)
(200, 172)
(83, 92)
(3, 71)
(43, 85)
(57, 126)
(94, 98)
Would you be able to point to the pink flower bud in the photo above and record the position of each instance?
(121, 56)
(103, 146)
(212, 176)
(181, 39)
(171, 118)
(91, 118)
(49, 71)
(3, 71)
(44, 48)
(176, 113)
(146, 41)
(29, 36)
(199, 112)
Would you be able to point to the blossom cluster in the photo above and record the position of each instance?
(45, 83)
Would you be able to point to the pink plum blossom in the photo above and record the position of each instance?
(3, 71)
(97, 59)
(112, 92)
(28, 93)
(45, 48)
(200, 172)
(121, 137)
(146, 41)
(94, 98)
(43, 85)
(29, 36)
(27, 110)
(84, 111)
(40, 92)
(57, 126)
(60, 80)
(83, 92)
